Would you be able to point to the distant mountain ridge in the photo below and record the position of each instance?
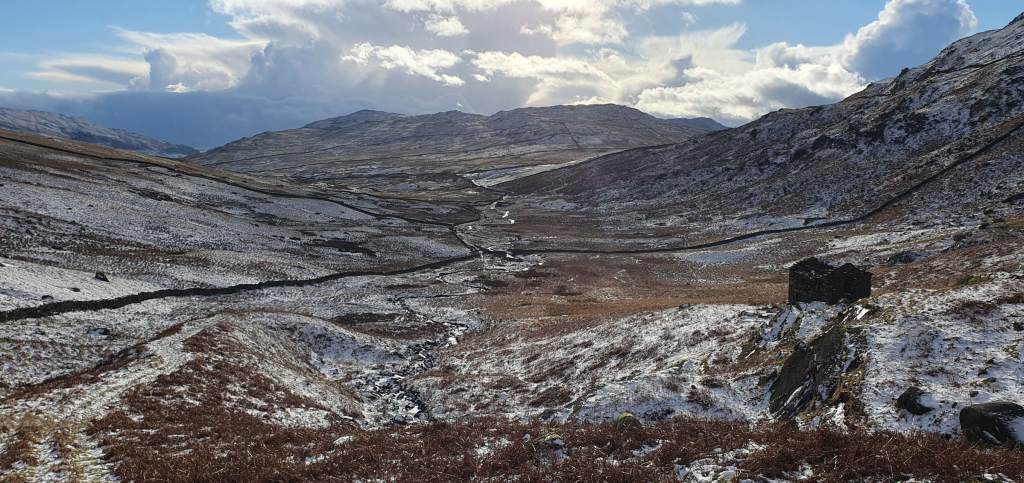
(77, 129)
(438, 152)
(704, 123)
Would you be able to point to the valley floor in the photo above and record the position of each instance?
(259, 330)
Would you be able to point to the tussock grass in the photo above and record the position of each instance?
(234, 446)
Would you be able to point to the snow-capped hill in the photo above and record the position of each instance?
(77, 129)
(365, 115)
(441, 153)
(959, 116)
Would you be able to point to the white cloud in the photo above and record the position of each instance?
(183, 61)
(100, 70)
(415, 62)
(599, 21)
(906, 33)
(416, 55)
(547, 71)
(445, 5)
(740, 98)
(187, 62)
(575, 21)
(445, 26)
(720, 82)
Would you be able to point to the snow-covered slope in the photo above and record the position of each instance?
(959, 116)
(65, 127)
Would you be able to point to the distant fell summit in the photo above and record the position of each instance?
(439, 155)
(77, 129)
(705, 123)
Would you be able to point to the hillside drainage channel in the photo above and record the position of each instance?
(389, 398)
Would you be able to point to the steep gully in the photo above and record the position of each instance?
(399, 403)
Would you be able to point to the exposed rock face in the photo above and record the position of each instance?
(812, 280)
(808, 374)
(994, 422)
(913, 401)
(64, 127)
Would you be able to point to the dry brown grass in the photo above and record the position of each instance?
(946, 270)
(881, 456)
(65, 442)
(243, 448)
(583, 288)
(973, 311)
(552, 397)
(28, 431)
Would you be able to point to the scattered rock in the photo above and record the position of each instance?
(344, 439)
(904, 258)
(553, 440)
(985, 479)
(99, 332)
(76, 289)
(46, 297)
(994, 422)
(813, 280)
(1018, 326)
(915, 401)
(627, 422)
(101, 277)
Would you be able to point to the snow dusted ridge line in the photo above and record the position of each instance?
(375, 158)
(884, 206)
(77, 129)
(280, 194)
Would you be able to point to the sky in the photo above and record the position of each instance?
(207, 72)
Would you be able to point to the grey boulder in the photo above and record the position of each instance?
(994, 422)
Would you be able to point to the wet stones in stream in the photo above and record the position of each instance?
(386, 390)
